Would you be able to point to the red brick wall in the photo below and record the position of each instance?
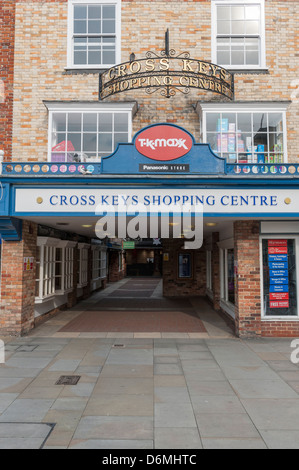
(7, 31)
(114, 273)
(17, 285)
(172, 285)
(280, 328)
(248, 294)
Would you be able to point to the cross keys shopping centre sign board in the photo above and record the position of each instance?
(167, 72)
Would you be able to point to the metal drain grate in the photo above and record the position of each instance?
(118, 346)
(68, 380)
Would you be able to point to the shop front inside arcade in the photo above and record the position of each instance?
(201, 227)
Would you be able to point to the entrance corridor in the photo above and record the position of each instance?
(136, 308)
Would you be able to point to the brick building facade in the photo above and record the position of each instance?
(52, 54)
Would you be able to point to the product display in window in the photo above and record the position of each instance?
(279, 273)
(246, 137)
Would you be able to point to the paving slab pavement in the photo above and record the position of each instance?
(149, 393)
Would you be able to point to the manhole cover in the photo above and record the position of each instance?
(68, 380)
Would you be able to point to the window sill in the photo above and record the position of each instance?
(236, 71)
(63, 292)
(286, 318)
(79, 286)
(84, 70)
(39, 300)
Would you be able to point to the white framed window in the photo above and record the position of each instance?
(64, 273)
(94, 34)
(246, 132)
(99, 263)
(227, 276)
(45, 268)
(83, 264)
(238, 34)
(87, 132)
(54, 268)
(279, 276)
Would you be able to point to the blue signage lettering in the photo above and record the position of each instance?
(222, 200)
(74, 200)
(282, 288)
(278, 265)
(52, 200)
(279, 280)
(278, 273)
(273, 258)
(212, 202)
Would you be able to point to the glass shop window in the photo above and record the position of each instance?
(246, 137)
(185, 266)
(279, 277)
(228, 276)
(86, 137)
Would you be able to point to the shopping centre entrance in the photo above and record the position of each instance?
(136, 307)
(72, 238)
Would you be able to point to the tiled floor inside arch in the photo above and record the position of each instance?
(135, 306)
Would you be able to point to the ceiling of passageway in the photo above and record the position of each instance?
(85, 226)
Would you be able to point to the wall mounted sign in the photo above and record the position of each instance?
(28, 263)
(128, 245)
(168, 72)
(279, 273)
(163, 149)
(163, 143)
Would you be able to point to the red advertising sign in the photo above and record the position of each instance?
(279, 296)
(163, 142)
(278, 250)
(279, 304)
(277, 242)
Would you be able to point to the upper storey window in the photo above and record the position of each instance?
(93, 34)
(238, 34)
